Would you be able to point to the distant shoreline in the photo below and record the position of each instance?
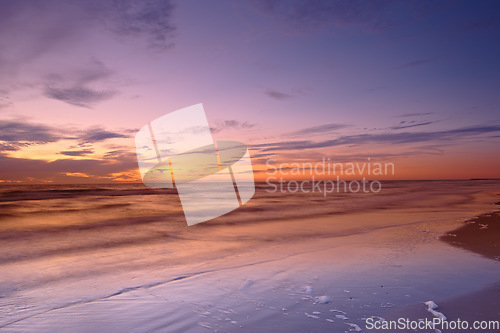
(257, 182)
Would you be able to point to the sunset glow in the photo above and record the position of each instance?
(393, 84)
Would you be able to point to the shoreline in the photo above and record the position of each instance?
(478, 235)
(481, 235)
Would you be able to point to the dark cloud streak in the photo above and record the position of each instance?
(99, 134)
(77, 152)
(78, 87)
(402, 126)
(278, 95)
(230, 124)
(15, 134)
(416, 114)
(17, 131)
(318, 129)
(79, 96)
(385, 138)
(20, 169)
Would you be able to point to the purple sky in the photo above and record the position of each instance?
(411, 82)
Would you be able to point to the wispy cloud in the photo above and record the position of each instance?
(79, 96)
(118, 153)
(15, 134)
(230, 124)
(278, 94)
(77, 152)
(45, 40)
(56, 21)
(416, 114)
(99, 134)
(22, 169)
(5, 102)
(384, 138)
(8, 146)
(404, 124)
(326, 128)
(84, 86)
(151, 19)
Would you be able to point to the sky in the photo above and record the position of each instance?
(414, 83)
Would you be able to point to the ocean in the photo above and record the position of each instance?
(65, 246)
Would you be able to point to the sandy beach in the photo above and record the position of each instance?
(327, 267)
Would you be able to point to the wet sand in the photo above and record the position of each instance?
(480, 235)
(316, 287)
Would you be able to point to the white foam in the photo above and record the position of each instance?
(354, 327)
(431, 307)
(379, 318)
(311, 316)
(205, 324)
(341, 317)
(322, 299)
(246, 285)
